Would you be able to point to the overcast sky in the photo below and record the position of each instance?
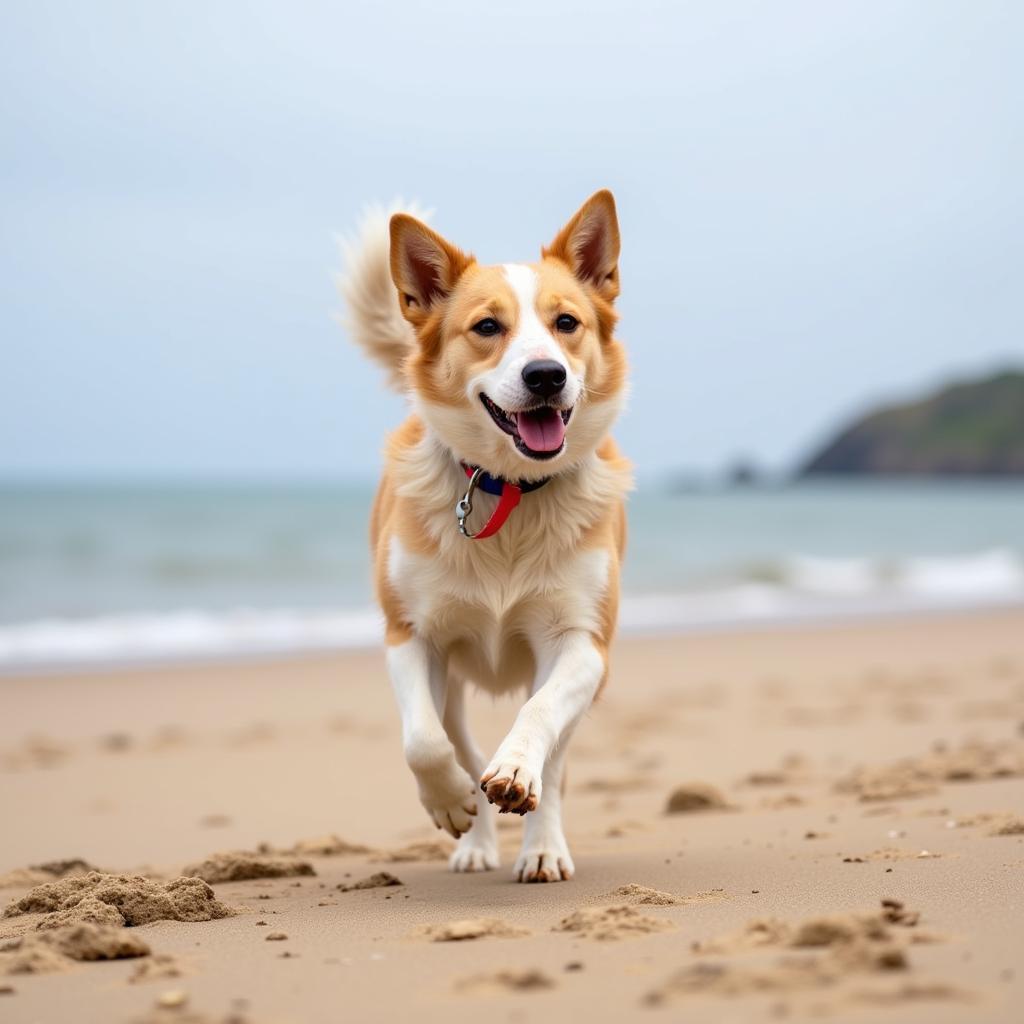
(821, 205)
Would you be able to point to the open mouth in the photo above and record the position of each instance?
(539, 433)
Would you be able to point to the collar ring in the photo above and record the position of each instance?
(464, 505)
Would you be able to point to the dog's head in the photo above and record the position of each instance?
(515, 367)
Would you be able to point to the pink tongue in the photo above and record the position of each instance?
(542, 430)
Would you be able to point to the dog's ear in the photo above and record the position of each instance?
(424, 266)
(589, 244)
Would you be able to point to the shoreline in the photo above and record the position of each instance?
(641, 616)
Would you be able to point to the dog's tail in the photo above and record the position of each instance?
(373, 317)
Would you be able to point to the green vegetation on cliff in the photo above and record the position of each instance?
(970, 429)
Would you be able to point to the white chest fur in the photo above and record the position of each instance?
(488, 604)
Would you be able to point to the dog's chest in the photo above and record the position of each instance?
(485, 603)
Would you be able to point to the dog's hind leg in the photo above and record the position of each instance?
(478, 849)
(420, 684)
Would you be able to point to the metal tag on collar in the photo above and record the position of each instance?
(465, 504)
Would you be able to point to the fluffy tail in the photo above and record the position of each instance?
(373, 317)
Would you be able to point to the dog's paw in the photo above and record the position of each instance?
(549, 862)
(449, 797)
(512, 785)
(474, 855)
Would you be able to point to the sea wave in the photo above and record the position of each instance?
(184, 635)
(800, 588)
(998, 573)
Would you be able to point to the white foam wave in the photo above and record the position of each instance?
(996, 574)
(807, 589)
(184, 635)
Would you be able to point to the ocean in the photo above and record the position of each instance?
(109, 574)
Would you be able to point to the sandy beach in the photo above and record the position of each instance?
(846, 840)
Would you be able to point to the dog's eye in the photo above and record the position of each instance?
(487, 327)
(566, 323)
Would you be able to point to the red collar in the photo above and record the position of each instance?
(508, 495)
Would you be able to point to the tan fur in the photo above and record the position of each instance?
(442, 298)
(534, 606)
(578, 511)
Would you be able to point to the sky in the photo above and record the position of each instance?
(822, 206)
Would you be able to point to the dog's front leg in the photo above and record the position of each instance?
(532, 754)
(419, 682)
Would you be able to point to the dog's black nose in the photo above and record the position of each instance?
(544, 377)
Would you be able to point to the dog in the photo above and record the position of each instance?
(498, 528)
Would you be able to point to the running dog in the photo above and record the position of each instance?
(499, 524)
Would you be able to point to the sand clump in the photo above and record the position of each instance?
(473, 928)
(832, 930)
(625, 784)
(833, 949)
(170, 1009)
(35, 752)
(37, 874)
(243, 867)
(118, 901)
(412, 853)
(793, 770)
(794, 975)
(608, 924)
(1010, 825)
(996, 823)
(159, 967)
(695, 797)
(215, 820)
(910, 990)
(642, 894)
(379, 880)
(332, 845)
(731, 980)
(782, 802)
(919, 776)
(526, 980)
(53, 950)
(645, 896)
(95, 942)
(329, 845)
(29, 955)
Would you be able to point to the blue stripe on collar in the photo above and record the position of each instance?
(495, 484)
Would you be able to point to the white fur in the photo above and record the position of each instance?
(476, 440)
(375, 319)
(446, 791)
(517, 611)
(456, 605)
(533, 340)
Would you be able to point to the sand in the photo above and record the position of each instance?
(472, 929)
(531, 980)
(235, 866)
(694, 797)
(846, 842)
(118, 900)
(378, 880)
(608, 924)
(52, 948)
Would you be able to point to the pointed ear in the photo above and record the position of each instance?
(589, 244)
(424, 266)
